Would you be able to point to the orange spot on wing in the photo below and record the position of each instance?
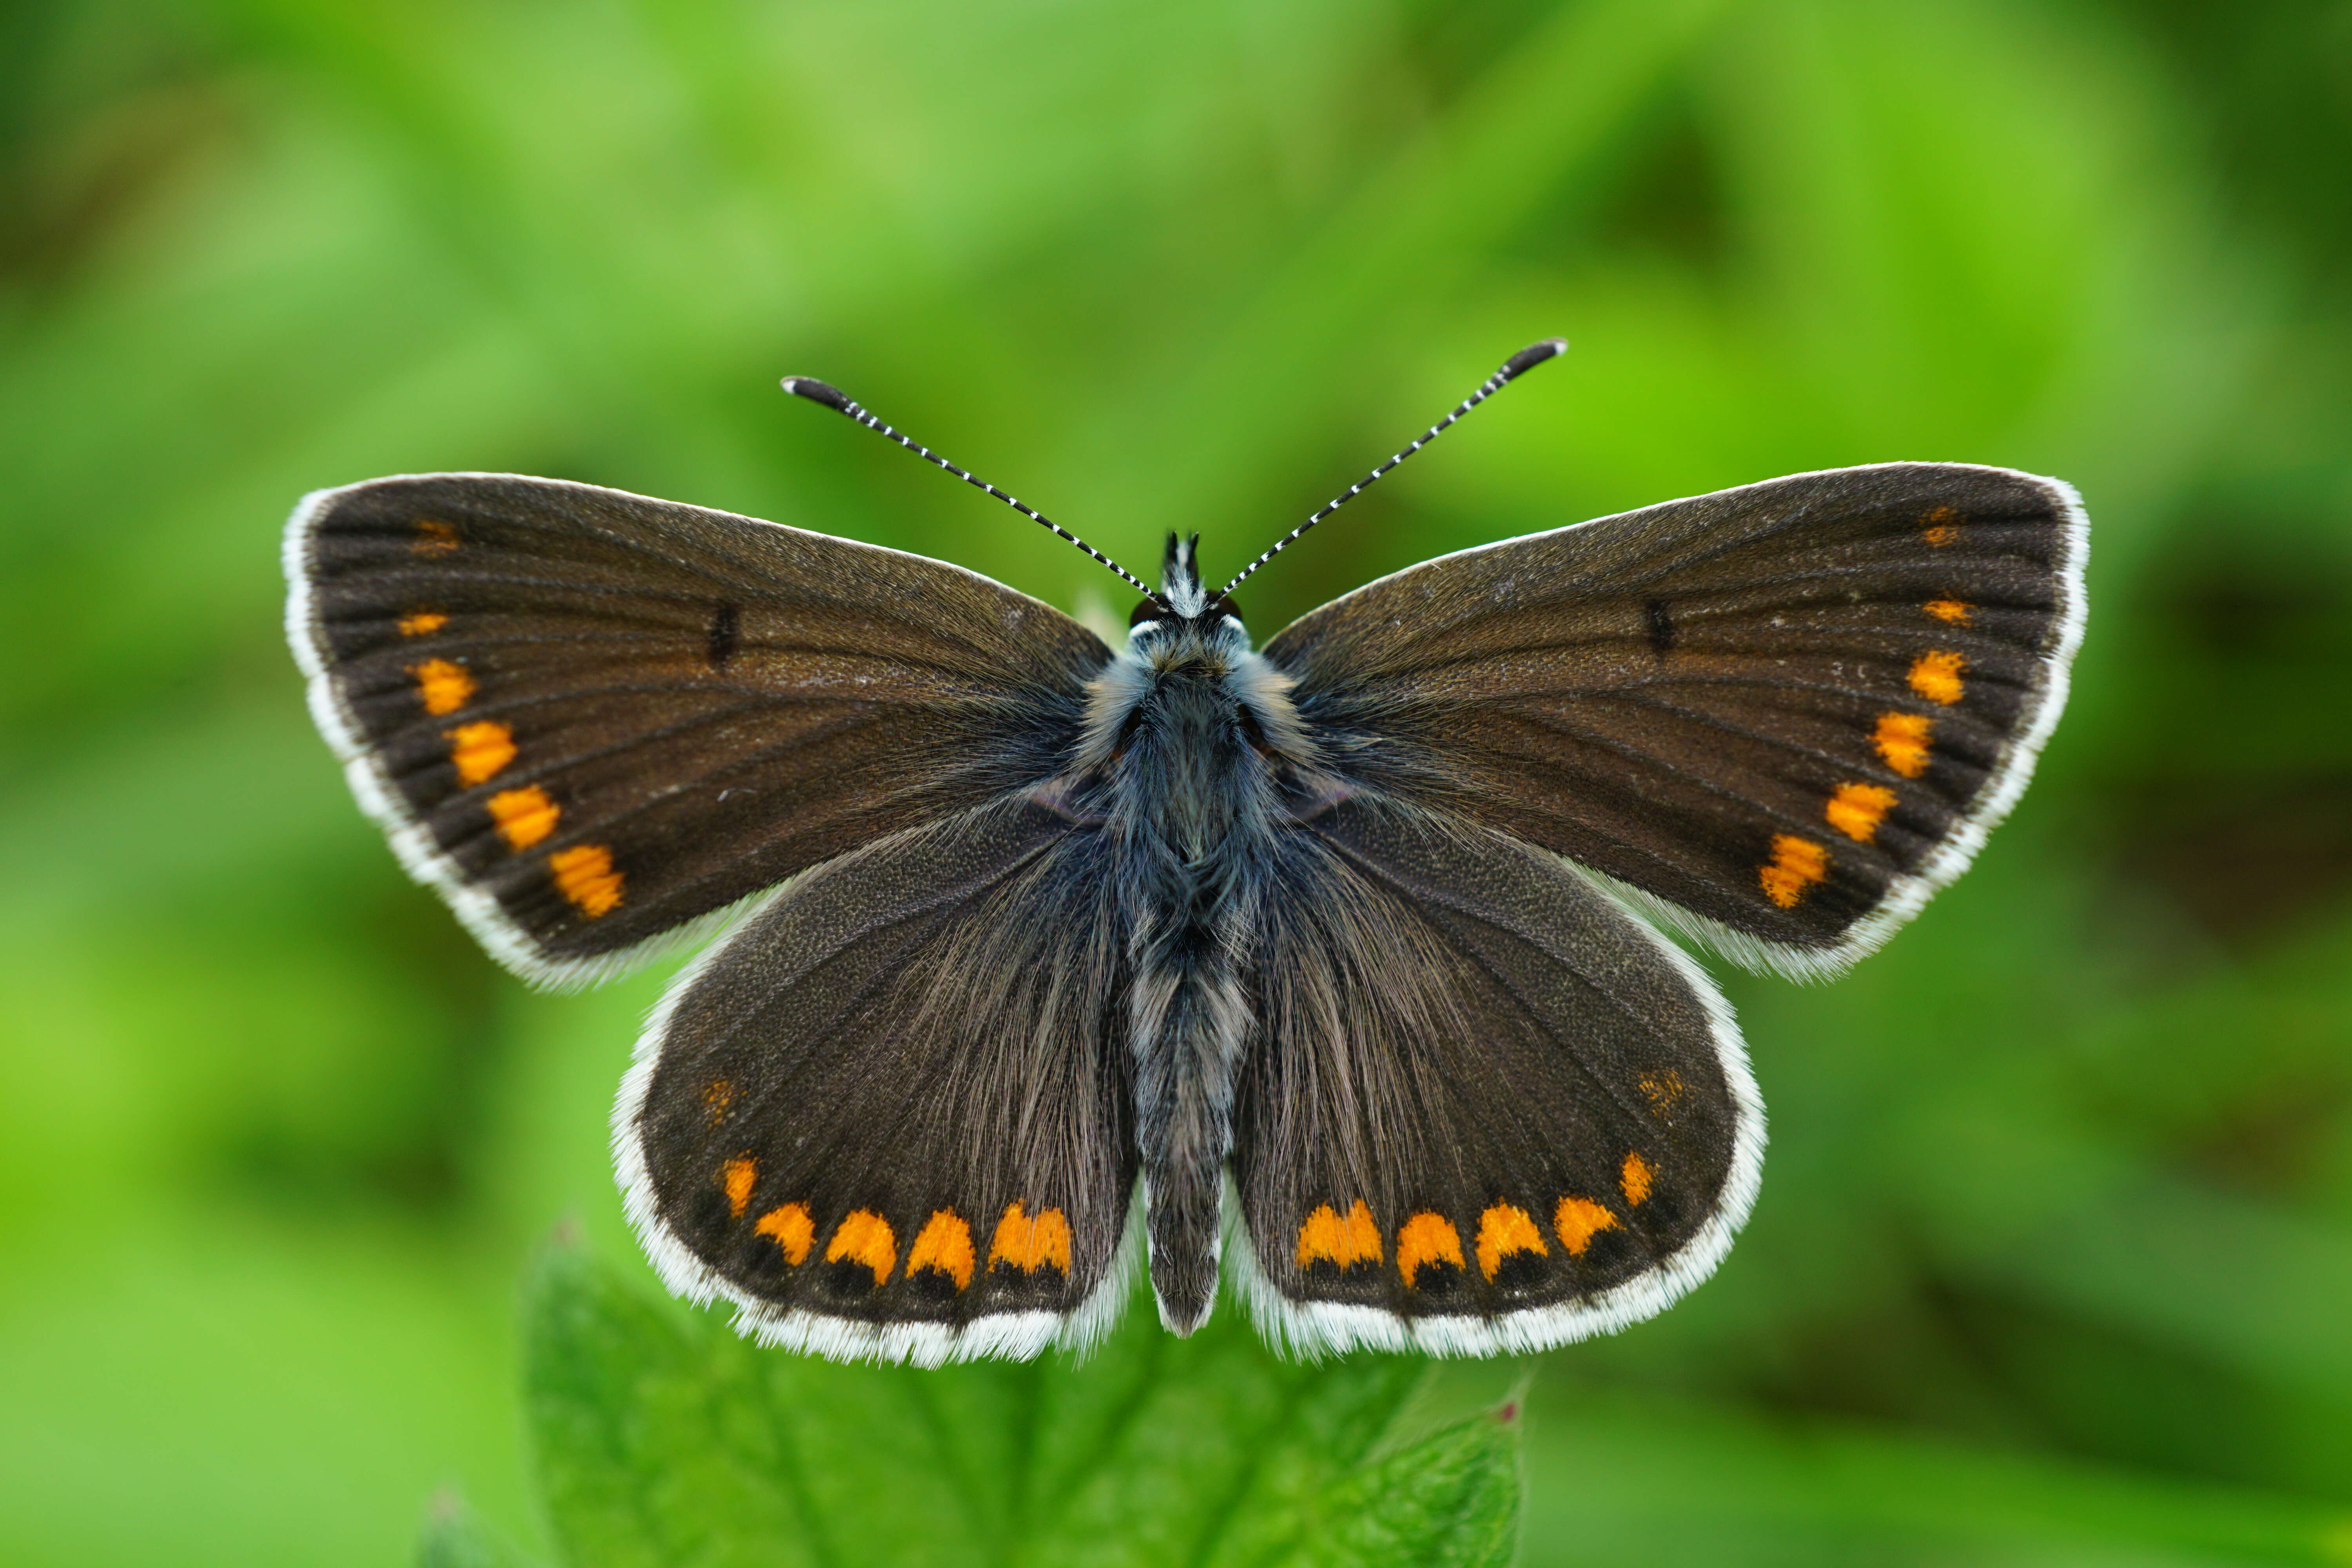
(1902, 741)
(1796, 864)
(1579, 1220)
(445, 687)
(584, 874)
(1635, 1179)
(718, 1094)
(1030, 1244)
(524, 816)
(792, 1227)
(1936, 676)
(864, 1237)
(1952, 612)
(1858, 809)
(422, 623)
(1941, 526)
(737, 1176)
(1424, 1240)
(1661, 1088)
(944, 1244)
(1344, 1241)
(434, 538)
(1503, 1230)
(480, 750)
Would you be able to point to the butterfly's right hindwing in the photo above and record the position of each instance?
(1486, 1111)
(887, 1119)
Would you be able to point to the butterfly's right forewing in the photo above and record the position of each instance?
(1783, 714)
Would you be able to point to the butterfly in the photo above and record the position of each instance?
(1331, 968)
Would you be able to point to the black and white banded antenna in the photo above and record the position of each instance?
(833, 397)
(1517, 366)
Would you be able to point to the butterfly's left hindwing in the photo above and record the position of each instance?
(1486, 1110)
(588, 718)
(887, 1118)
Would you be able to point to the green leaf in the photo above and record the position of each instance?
(454, 1538)
(664, 1439)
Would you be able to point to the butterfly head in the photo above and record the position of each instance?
(1183, 607)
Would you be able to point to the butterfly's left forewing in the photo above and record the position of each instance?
(590, 719)
(1486, 1110)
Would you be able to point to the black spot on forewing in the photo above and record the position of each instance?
(724, 633)
(1661, 627)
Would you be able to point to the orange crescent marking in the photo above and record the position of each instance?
(433, 538)
(1579, 1220)
(1504, 1230)
(422, 623)
(1029, 1244)
(1344, 1241)
(737, 1176)
(864, 1237)
(944, 1244)
(793, 1229)
(1636, 1179)
(1952, 612)
(1424, 1240)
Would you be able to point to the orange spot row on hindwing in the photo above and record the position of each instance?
(944, 1245)
(422, 623)
(1427, 1240)
(434, 538)
(1940, 526)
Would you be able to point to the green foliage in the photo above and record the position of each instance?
(664, 1440)
(2055, 1237)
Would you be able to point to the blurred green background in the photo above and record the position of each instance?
(2053, 1259)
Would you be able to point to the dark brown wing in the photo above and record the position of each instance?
(890, 1118)
(588, 718)
(1784, 713)
(1487, 1111)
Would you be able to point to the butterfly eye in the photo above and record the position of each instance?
(1148, 610)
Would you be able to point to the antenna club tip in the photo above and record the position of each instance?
(815, 391)
(1534, 355)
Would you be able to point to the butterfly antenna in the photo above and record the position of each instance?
(833, 397)
(1517, 366)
